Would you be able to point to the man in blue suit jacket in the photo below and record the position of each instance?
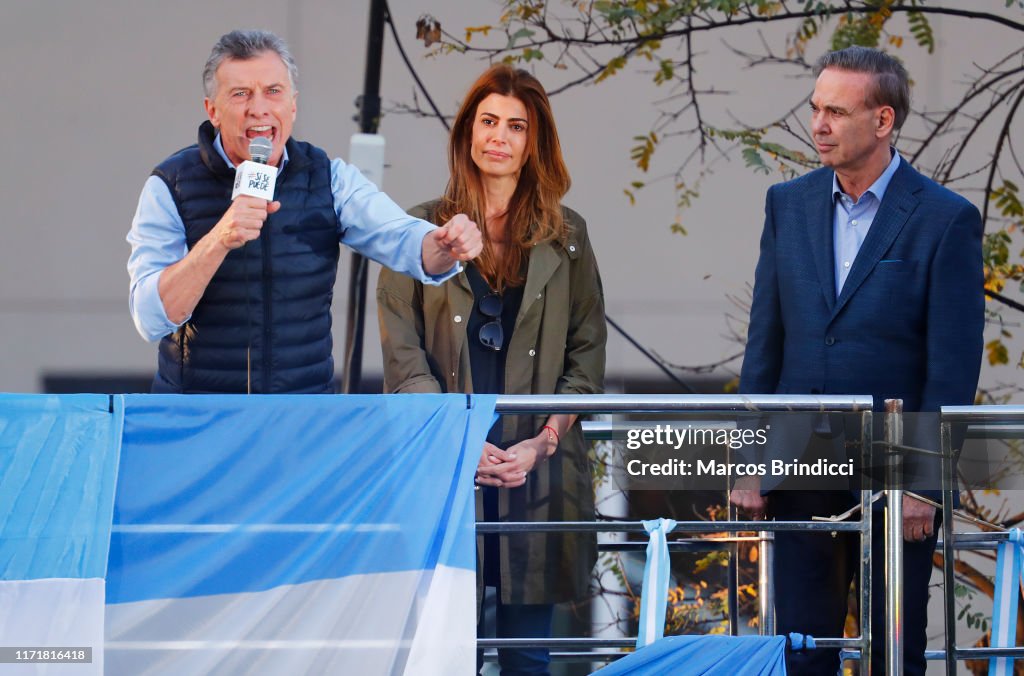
(869, 282)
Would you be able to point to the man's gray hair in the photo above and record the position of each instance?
(892, 84)
(242, 46)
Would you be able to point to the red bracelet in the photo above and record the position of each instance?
(553, 431)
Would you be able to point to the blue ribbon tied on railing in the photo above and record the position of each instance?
(1009, 578)
(799, 642)
(654, 596)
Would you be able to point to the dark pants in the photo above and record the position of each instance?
(521, 621)
(813, 573)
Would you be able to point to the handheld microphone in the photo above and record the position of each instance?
(260, 149)
(255, 177)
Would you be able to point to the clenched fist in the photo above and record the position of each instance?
(457, 240)
(243, 220)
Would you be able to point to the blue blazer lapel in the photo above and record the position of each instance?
(818, 208)
(899, 203)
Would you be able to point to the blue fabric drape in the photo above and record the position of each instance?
(58, 466)
(705, 656)
(224, 494)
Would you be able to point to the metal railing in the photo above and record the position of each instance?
(854, 648)
(975, 422)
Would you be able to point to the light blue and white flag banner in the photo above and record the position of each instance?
(1008, 585)
(295, 535)
(58, 469)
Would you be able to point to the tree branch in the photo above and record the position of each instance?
(728, 22)
(1004, 133)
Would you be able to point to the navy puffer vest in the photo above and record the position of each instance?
(272, 297)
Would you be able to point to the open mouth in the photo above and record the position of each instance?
(266, 131)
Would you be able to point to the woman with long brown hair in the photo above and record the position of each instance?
(526, 317)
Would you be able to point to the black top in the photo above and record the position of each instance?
(488, 368)
(488, 365)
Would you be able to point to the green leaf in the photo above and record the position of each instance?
(921, 30)
(519, 34)
(856, 31)
(612, 67)
(615, 12)
(1007, 200)
(748, 136)
(641, 154)
(666, 70)
(531, 54)
(808, 29)
(727, 6)
(995, 249)
(685, 196)
(777, 150)
(755, 161)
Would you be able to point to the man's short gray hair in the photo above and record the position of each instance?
(892, 84)
(242, 46)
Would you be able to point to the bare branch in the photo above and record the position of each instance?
(965, 141)
(971, 94)
(719, 24)
(1004, 133)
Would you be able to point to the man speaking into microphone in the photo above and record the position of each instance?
(237, 287)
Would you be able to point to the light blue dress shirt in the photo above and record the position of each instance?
(368, 221)
(851, 219)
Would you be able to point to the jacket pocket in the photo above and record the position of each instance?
(894, 269)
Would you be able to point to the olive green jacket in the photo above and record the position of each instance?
(557, 347)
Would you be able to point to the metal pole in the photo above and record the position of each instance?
(733, 571)
(369, 120)
(766, 582)
(948, 577)
(893, 541)
(524, 404)
(866, 537)
(732, 596)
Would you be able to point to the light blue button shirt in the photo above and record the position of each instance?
(368, 221)
(851, 219)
